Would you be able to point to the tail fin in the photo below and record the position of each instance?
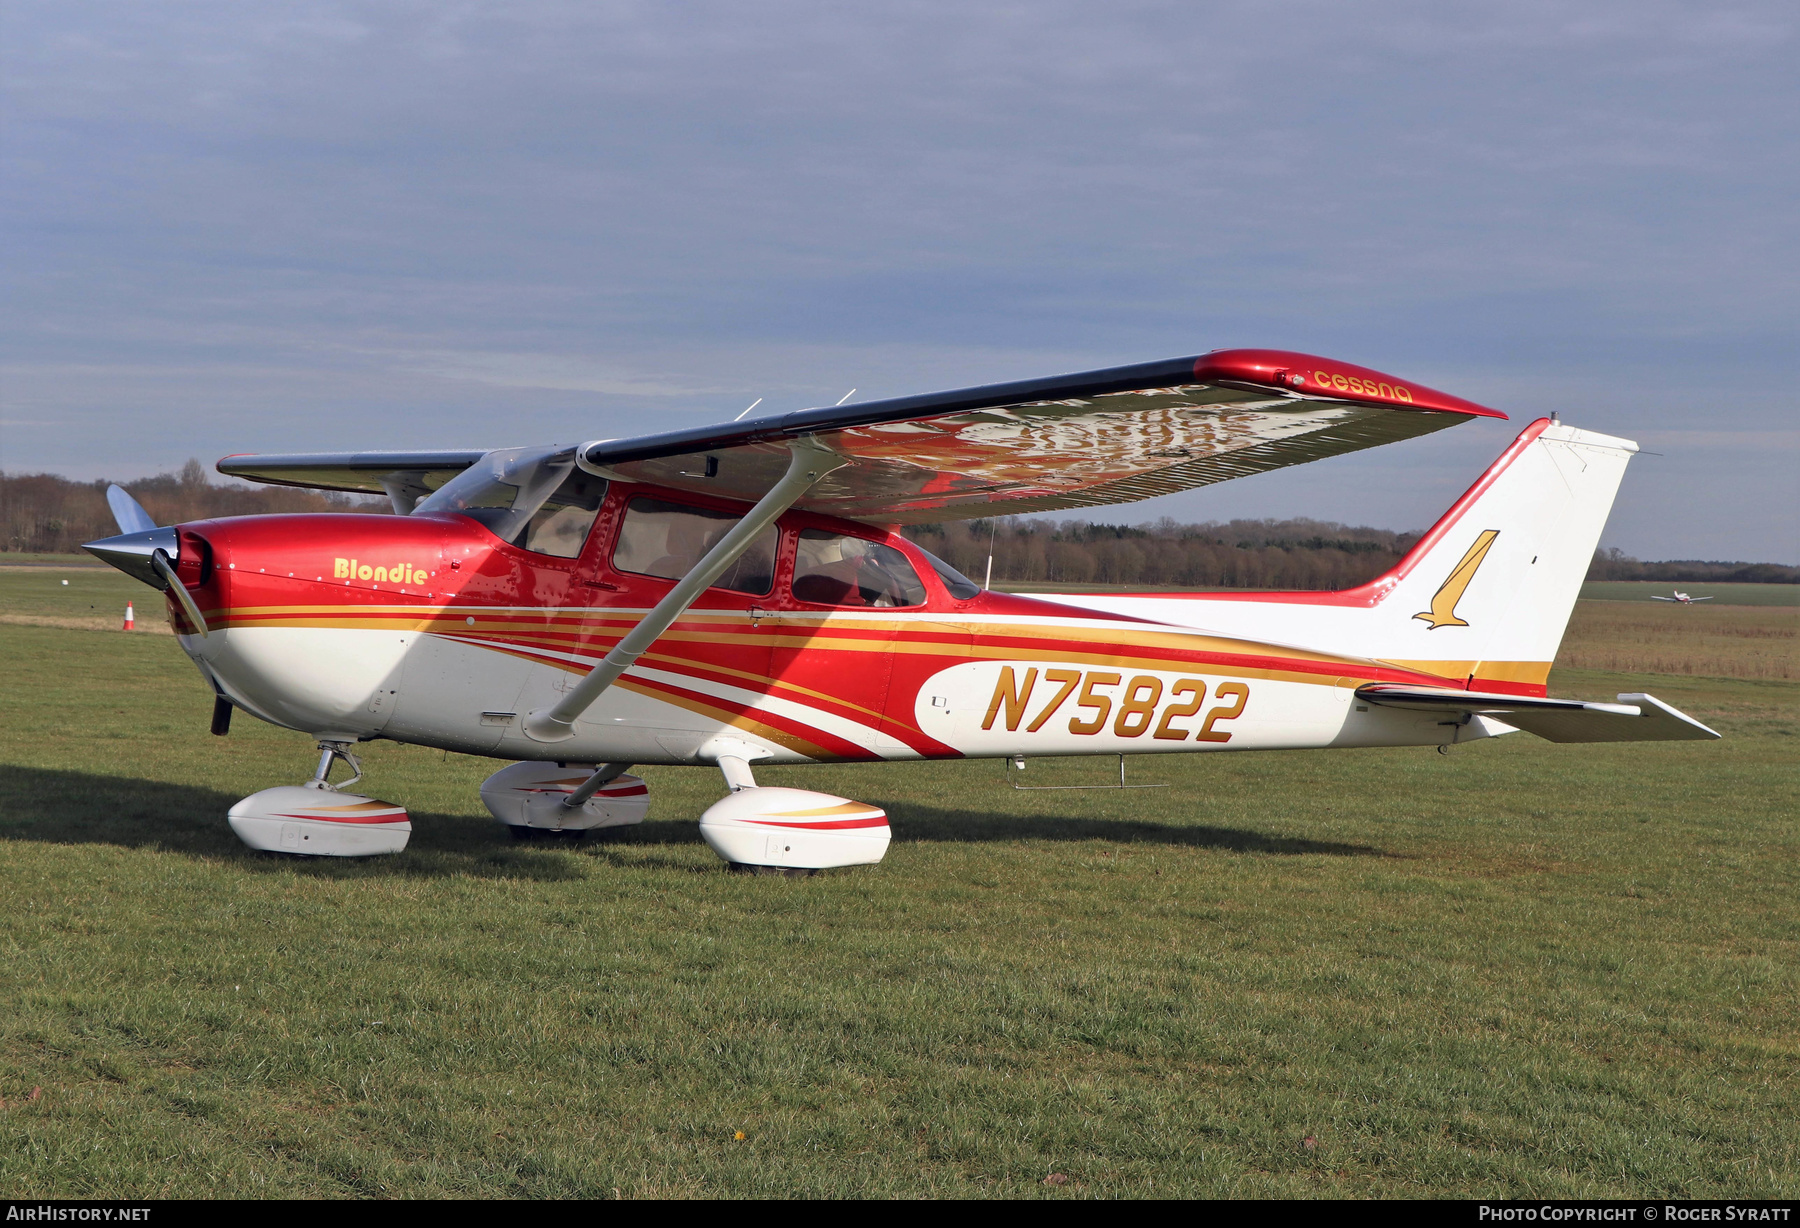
(1480, 602)
(1490, 588)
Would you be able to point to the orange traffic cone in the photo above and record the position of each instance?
(130, 617)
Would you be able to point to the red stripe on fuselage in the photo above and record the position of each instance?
(818, 738)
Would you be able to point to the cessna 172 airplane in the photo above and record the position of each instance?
(739, 594)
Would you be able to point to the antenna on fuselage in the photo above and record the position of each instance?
(846, 396)
(752, 405)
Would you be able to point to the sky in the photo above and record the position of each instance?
(308, 226)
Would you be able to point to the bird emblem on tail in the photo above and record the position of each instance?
(1443, 602)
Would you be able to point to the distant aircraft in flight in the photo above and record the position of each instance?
(1680, 597)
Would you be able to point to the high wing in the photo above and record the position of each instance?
(1635, 718)
(1082, 440)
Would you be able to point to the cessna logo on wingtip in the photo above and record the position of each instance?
(1350, 383)
(1443, 602)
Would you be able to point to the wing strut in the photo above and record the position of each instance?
(809, 462)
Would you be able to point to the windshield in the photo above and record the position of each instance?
(506, 488)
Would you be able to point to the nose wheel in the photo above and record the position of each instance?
(321, 819)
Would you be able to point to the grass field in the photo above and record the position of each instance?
(1516, 969)
(1733, 641)
(1721, 594)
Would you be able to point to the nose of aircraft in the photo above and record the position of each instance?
(134, 553)
(134, 550)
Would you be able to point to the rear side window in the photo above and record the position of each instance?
(667, 539)
(831, 569)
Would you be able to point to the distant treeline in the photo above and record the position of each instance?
(1617, 565)
(1302, 554)
(43, 513)
(1288, 554)
(47, 514)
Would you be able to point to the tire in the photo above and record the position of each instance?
(739, 867)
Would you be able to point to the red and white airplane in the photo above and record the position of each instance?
(1679, 596)
(739, 594)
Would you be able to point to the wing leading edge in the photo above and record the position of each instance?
(1083, 440)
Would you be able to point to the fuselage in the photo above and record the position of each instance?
(429, 629)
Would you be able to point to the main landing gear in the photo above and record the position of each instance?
(756, 829)
(793, 832)
(564, 799)
(319, 819)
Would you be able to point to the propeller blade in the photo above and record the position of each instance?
(128, 512)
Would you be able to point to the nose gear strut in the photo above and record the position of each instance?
(328, 752)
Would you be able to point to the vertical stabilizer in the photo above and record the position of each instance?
(1480, 602)
(1490, 588)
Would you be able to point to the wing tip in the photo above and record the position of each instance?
(1300, 372)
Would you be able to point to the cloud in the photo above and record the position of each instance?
(465, 219)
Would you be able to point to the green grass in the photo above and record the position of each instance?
(24, 558)
(91, 597)
(1518, 969)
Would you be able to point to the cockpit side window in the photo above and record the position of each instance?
(561, 525)
(832, 569)
(666, 540)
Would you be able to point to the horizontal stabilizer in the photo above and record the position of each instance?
(1635, 718)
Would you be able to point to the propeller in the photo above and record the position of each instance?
(144, 551)
(128, 512)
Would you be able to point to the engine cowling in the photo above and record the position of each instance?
(795, 829)
(531, 795)
(320, 823)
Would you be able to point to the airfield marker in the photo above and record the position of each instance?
(130, 617)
